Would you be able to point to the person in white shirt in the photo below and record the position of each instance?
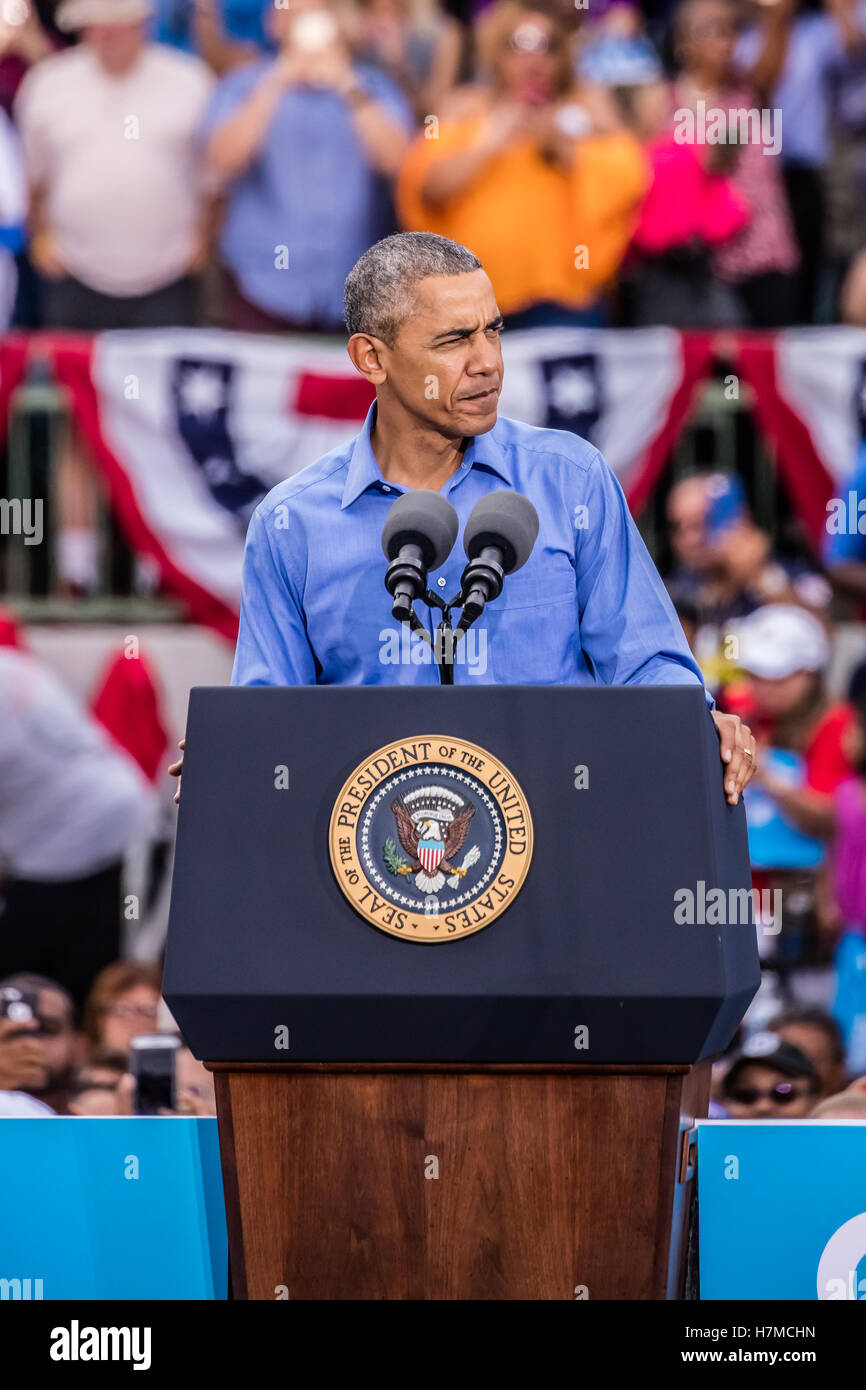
(72, 804)
(119, 208)
(120, 215)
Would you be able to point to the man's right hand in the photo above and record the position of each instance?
(22, 1057)
(175, 769)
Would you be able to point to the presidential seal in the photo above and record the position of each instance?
(431, 838)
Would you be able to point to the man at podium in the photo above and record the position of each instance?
(587, 607)
(312, 969)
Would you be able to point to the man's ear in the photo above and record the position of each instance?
(367, 354)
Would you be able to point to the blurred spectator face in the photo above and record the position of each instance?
(815, 1044)
(687, 517)
(60, 1041)
(117, 46)
(626, 21)
(132, 1012)
(760, 1092)
(123, 1002)
(776, 698)
(22, 1056)
(55, 1033)
(707, 35)
(738, 552)
(529, 59)
(769, 1079)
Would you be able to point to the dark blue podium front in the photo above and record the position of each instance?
(590, 963)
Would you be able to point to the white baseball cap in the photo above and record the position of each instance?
(779, 639)
(78, 14)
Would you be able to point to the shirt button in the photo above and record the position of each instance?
(441, 583)
(385, 487)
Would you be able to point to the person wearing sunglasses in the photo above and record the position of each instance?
(769, 1079)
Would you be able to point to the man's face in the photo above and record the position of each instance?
(133, 1012)
(687, 520)
(529, 59)
(445, 367)
(814, 1044)
(711, 37)
(762, 1093)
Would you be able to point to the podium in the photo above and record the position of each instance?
(459, 959)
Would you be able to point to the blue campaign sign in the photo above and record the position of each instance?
(111, 1208)
(782, 1209)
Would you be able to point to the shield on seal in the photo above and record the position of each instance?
(430, 853)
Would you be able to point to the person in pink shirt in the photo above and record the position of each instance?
(716, 232)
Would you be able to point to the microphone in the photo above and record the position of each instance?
(498, 540)
(418, 535)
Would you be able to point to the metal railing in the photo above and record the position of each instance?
(720, 433)
(125, 591)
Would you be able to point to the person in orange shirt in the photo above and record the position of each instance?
(543, 182)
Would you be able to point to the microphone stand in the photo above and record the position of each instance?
(445, 639)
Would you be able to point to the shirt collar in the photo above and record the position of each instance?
(483, 451)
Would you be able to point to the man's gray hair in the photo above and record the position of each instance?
(378, 296)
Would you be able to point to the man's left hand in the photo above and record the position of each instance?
(738, 751)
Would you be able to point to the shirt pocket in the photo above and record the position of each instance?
(532, 636)
(547, 577)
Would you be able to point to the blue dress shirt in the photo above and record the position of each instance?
(587, 608)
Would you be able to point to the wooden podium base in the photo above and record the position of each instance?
(427, 1181)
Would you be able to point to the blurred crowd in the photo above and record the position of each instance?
(57, 1058)
(763, 626)
(688, 162)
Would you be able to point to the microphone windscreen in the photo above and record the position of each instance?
(423, 518)
(506, 519)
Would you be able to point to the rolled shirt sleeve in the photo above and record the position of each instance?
(273, 647)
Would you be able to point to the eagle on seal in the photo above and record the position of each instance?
(410, 833)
